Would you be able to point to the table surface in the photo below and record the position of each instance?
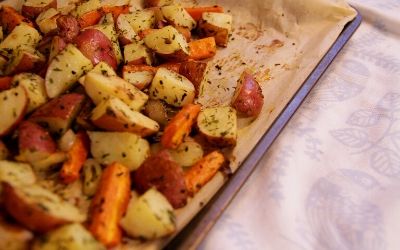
(332, 178)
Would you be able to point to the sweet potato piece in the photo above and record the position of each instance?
(180, 126)
(96, 46)
(90, 18)
(32, 8)
(10, 18)
(5, 82)
(202, 172)
(34, 142)
(202, 49)
(194, 71)
(248, 98)
(161, 172)
(109, 204)
(59, 113)
(197, 12)
(115, 10)
(77, 156)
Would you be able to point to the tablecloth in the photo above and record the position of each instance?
(332, 178)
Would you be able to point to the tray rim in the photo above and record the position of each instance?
(196, 230)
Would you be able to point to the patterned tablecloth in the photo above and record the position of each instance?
(332, 178)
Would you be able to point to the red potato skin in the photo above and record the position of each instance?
(68, 28)
(32, 216)
(248, 98)
(161, 172)
(32, 12)
(33, 138)
(194, 71)
(96, 46)
(5, 82)
(28, 62)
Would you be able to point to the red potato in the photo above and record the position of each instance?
(161, 172)
(10, 18)
(37, 208)
(59, 113)
(13, 236)
(34, 142)
(57, 45)
(157, 3)
(96, 46)
(32, 8)
(194, 71)
(13, 106)
(248, 98)
(139, 75)
(5, 82)
(24, 61)
(185, 32)
(4, 153)
(68, 28)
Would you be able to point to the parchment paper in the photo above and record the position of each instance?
(281, 41)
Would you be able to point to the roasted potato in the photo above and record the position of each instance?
(23, 61)
(127, 148)
(57, 45)
(172, 88)
(99, 88)
(58, 114)
(178, 16)
(102, 68)
(65, 69)
(67, 27)
(13, 106)
(88, 13)
(168, 43)
(156, 110)
(47, 20)
(32, 8)
(138, 75)
(22, 37)
(187, 153)
(34, 142)
(141, 19)
(194, 72)
(96, 46)
(137, 53)
(109, 30)
(34, 87)
(16, 173)
(149, 217)
(126, 33)
(248, 98)
(114, 115)
(218, 25)
(69, 237)
(48, 163)
(37, 208)
(163, 173)
(13, 236)
(218, 125)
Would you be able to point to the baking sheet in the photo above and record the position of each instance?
(281, 41)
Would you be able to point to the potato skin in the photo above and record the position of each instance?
(248, 98)
(68, 27)
(194, 71)
(32, 12)
(31, 215)
(161, 172)
(96, 46)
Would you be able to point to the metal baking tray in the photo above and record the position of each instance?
(191, 236)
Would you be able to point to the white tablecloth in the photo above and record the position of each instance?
(332, 178)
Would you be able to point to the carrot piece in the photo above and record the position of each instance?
(77, 156)
(202, 172)
(116, 10)
(90, 18)
(5, 82)
(174, 66)
(197, 12)
(180, 125)
(10, 18)
(202, 48)
(109, 204)
(144, 33)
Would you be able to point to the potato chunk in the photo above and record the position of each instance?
(218, 25)
(177, 15)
